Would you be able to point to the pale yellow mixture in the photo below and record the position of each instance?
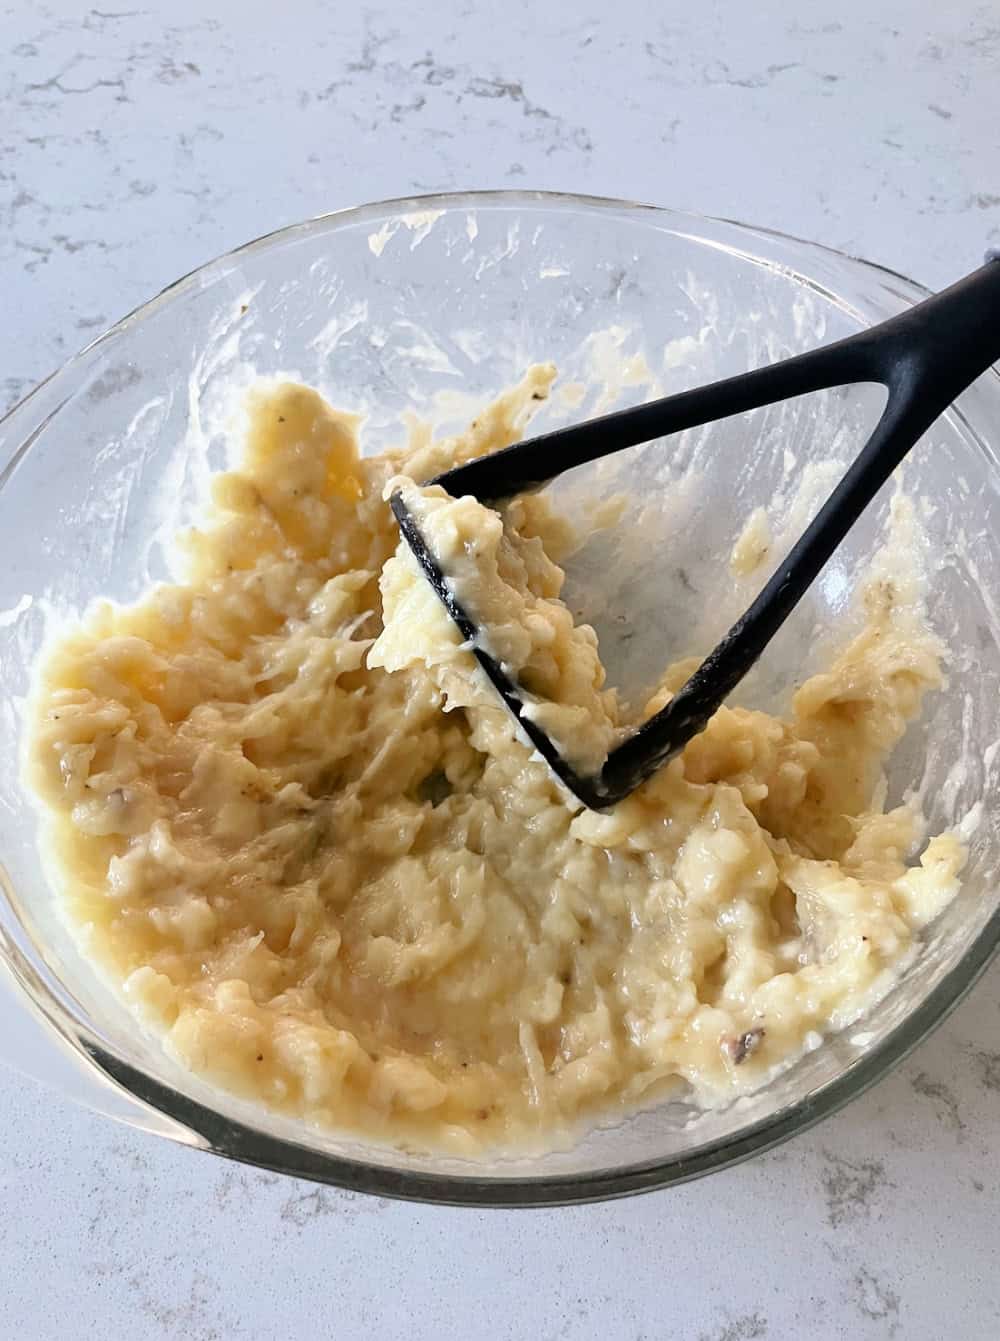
(289, 816)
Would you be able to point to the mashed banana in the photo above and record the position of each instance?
(290, 818)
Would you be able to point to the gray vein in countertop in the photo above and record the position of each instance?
(302, 1208)
(852, 1187)
(875, 1301)
(447, 85)
(989, 1069)
(745, 1327)
(943, 1098)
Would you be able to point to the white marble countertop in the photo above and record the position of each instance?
(141, 139)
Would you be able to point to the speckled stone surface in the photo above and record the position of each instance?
(137, 141)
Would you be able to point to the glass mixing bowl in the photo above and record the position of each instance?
(435, 304)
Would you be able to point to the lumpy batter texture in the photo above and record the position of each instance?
(291, 819)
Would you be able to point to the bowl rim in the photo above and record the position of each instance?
(234, 1139)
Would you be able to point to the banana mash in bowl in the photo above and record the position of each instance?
(303, 872)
